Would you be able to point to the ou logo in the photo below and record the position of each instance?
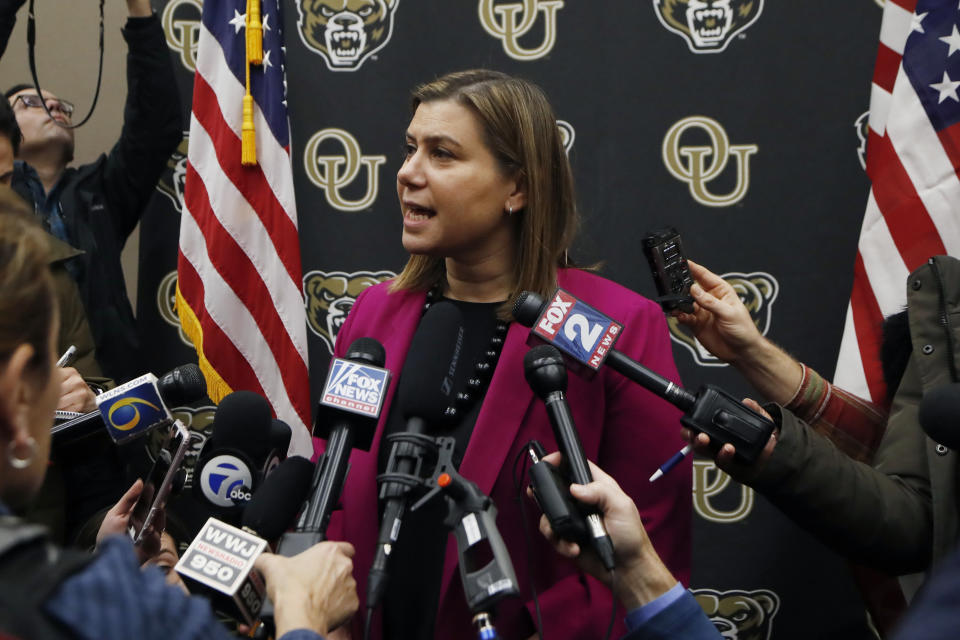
(333, 173)
(502, 22)
(709, 483)
(182, 35)
(167, 307)
(689, 163)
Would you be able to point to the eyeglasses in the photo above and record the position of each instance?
(34, 101)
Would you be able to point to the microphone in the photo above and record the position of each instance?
(237, 456)
(347, 416)
(182, 385)
(939, 415)
(546, 374)
(587, 337)
(274, 506)
(486, 571)
(133, 408)
(423, 394)
(280, 434)
(272, 509)
(347, 413)
(219, 565)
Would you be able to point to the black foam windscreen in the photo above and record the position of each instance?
(425, 388)
(182, 385)
(527, 308)
(275, 504)
(280, 433)
(243, 421)
(368, 351)
(545, 370)
(939, 415)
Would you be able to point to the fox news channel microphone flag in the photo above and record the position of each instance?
(912, 160)
(238, 294)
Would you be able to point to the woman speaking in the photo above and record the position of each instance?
(487, 201)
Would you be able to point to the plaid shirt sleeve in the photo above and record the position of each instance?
(853, 424)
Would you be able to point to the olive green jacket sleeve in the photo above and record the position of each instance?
(880, 516)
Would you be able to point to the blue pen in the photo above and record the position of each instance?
(671, 463)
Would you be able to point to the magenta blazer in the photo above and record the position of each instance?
(625, 429)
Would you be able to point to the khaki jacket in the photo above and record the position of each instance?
(900, 514)
(74, 328)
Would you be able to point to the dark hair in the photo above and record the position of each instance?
(17, 88)
(520, 130)
(9, 127)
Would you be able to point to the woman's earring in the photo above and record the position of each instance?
(509, 210)
(21, 462)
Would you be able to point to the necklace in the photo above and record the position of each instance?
(483, 368)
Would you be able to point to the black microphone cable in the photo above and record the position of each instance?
(31, 57)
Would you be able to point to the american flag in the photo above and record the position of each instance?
(913, 154)
(239, 275)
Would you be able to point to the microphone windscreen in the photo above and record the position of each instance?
(545, 370)
(243, 421)
(275, 504)
(527, 308)
(182, 385)
(425, 388)
(367, 351)
(280, 433)
(939, 415)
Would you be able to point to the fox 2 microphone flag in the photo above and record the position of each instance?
(913, 157)
(238, 269)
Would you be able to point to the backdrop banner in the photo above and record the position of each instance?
(740, 122)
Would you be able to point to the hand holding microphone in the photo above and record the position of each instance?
(547, 375)
(314, 589)
(587, 337)
(641, 575)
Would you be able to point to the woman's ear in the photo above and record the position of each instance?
(16, 394)
(517, 200)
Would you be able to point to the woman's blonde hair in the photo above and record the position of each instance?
(27, 302)
(520, 129)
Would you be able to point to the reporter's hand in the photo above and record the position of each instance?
(720, 321)
(117, 521)
(312, 590)
(75, 395)
(641, 575)
(725, 456)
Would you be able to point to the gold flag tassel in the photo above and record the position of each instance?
(248, 135)
(254, 33)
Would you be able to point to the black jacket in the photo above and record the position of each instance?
(103, 201)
